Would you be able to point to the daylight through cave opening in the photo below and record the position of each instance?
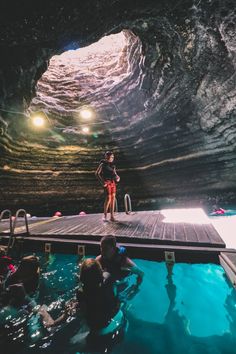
(91, 91)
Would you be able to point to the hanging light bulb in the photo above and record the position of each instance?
(86, 113)
(85, 130)
(38, 121)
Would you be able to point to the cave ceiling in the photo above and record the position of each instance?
(159, 79)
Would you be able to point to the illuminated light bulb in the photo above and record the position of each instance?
(38, 121)
(86, 113)
(85, 130)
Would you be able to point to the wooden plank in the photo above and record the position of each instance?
(191, 235)
(150, 225)
(144, 225)
(5, 224)
(168, 232)
(180, 232)
(137, 232)
(157, 220)
(158, 231)
(202, 235)
(212, 234)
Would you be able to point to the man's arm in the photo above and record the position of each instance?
(117, 177)
(48, 321)
(133, 268)
(98, 174)
(99, 258)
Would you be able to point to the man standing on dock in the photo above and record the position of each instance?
(106, 174)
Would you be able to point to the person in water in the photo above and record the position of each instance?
(96, 312)
(13, 318)
(115, 261)
(95, 299)
(27, 273)
(6, 264)
(96, 296)
(106, 173)
(218, 211)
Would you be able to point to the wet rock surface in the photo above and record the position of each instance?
(161, 85)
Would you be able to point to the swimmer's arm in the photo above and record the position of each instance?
(133, 268)
(47, 319)
(98, 258)
(50, 322)
(60, 319)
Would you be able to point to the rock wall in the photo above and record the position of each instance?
(163, 94)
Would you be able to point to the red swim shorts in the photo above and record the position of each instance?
(110, 187)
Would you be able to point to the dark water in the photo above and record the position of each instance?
(191, 312)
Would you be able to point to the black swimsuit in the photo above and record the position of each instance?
(114, 265)
(108, 170)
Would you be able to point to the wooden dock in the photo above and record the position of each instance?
(228, 262)
(146, 227)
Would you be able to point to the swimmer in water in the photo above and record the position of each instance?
(114, 260)
(95, 299)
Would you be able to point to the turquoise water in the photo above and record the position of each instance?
(191, 312)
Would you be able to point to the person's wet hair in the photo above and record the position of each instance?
(17, 294)
(27, 273)
(108, 154)
(91, 273)
(29, 264)
(109, 240)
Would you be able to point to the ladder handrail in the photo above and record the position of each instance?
(128, 205)
(26, 220)
(12, 237)
(10, 218)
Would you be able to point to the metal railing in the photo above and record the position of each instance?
(12, 236)
(20, 211)
(128, 205)
(7, 211)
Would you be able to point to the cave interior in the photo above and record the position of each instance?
(152, 81)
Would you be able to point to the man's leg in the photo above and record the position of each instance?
(113, 198)
(107, 205)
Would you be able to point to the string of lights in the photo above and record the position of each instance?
(40, 119)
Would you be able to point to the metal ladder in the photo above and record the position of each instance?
(12, 237)
(128, 206)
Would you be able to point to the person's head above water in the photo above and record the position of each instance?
(91, 273)
(109, 156)
(108, 246)
(17, 294)
(29, 266)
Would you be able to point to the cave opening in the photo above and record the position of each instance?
(90, 93)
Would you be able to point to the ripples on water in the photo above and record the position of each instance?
(194, 312)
